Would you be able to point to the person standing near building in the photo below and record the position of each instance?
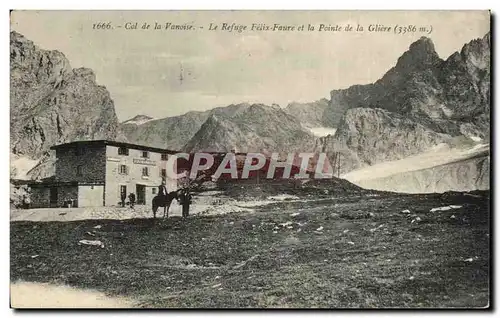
(131, 198)
(123, 197)
(185, 200)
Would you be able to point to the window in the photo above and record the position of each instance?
(154, 190)
(145, 154)
(164, 157)
(79, 171)
(123, 169)
(123, 151)
(123, 189)
(145, 172)
(163, 173)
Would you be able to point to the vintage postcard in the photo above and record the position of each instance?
(250, 159)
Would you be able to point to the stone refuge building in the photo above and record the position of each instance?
(94, 173)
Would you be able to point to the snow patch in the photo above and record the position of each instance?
(439, 155)
(210, 193)
(22, 166)
(448, 112)
(322, 131)
(282, 197)
(476, 138)
(139, 120)
(446, 208)
(219, 209)
(478, 148)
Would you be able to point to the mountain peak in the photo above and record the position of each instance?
(421, 53)
(477, 47)
(15, 35)
(18, 37)
(423, 44)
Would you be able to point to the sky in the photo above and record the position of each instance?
(142, 68)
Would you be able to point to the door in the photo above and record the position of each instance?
(141, 194)
(53, 194)
(123, 189)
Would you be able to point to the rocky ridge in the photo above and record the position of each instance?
(52, 103)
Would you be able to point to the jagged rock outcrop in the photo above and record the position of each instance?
(420, 102)
(409, 87)
(466, 85)
(377, 135)
(309, 114)
(247, 128)
(52, 103)
(443, 94)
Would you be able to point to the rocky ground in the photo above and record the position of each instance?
(361, 250)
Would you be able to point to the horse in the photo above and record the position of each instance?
(164, 201)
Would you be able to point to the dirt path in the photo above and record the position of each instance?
(38, 295)
(209, 203)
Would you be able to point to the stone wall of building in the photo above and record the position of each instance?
(39, 197)
(88, 165)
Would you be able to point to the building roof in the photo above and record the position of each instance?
(112, 143)
(55, 183)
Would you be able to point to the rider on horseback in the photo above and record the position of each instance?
(163, 199)
(162, 189)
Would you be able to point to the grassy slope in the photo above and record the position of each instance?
(352, 262)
